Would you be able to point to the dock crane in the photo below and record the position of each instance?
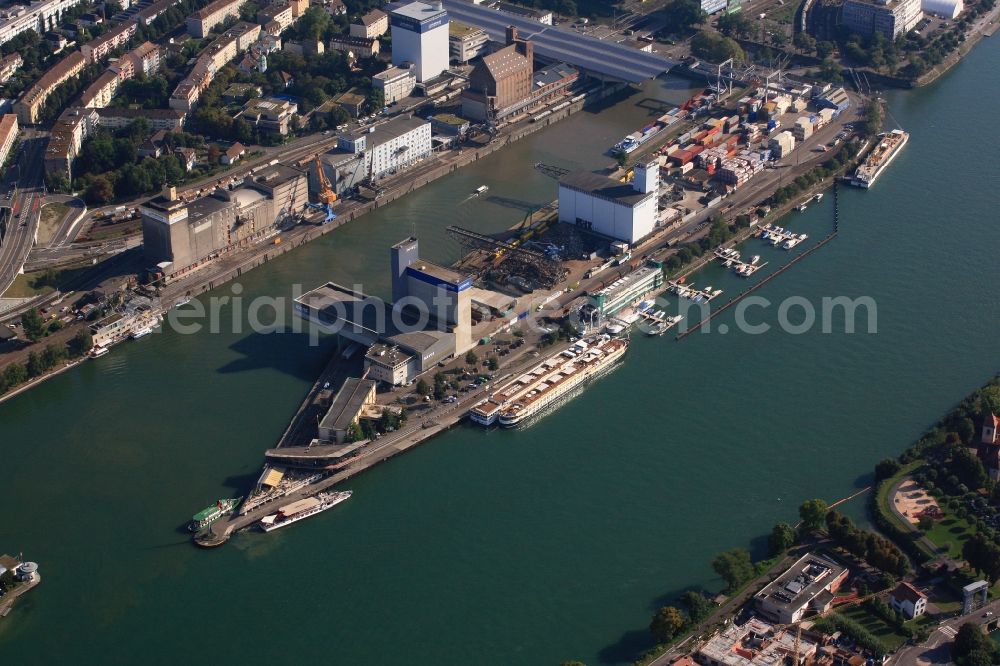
(326, 195)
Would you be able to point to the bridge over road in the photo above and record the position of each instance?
(557, 44)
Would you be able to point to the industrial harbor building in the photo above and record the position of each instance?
(891, 18)
(377, 152)
(429, 321)
(807, 587)
(178, 236)
(420, 37)
(396, 83)
(466, 42)
(500, 80)
(626, 212)
(625, 291)
(345, 409)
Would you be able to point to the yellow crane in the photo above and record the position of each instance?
(326, 194)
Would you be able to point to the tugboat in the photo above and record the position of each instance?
(209, 515)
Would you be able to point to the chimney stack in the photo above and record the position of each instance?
(511, 34)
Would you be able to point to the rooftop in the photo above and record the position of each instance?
(805, 580)
(417, 11)
(436, 271)
(373, 17)
(604, 187)
(553, 74)
(347, 404)
(459, 29)
(907, 592)
(755, 643)
(389, 130)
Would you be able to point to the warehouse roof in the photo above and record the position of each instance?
(347, 404)
(604, 187)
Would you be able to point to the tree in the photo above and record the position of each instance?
(735, 25)
(354, 433)
(422, 387)
(825, 49)
(34, 326)
(471, 358)
(492, 363)
(973, 648)
(14, 374)
(100, 191)
(734, 566)
(35, 366)
(781, 539)
(886, 469)
(666, 623)
(82, 342)
(684, 15)
(813, 514)
(715, 47)
(698, 607)
(804, 42)
(969, 469)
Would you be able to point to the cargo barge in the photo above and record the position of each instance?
(882, 156)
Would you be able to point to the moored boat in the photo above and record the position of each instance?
(302, 509)
(209, 515)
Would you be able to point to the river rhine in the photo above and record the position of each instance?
(497, 548)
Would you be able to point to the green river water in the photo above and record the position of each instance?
(530, 547)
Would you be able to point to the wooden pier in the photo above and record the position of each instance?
(754, 287)
(692, 293)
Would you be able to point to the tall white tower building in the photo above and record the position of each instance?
(420, 37)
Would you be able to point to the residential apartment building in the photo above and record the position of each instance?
(269, 114)
(9, 66)
(144, 58)
(147, 15)
(100, 93)
(40, 16)
(372, 25)
(280, 12)
(66, 138)
(30, 105)
(888, 17)
(395, 83)
(361, 47)
(215, 13)
(466, 42)
(223, 50)
(116, 38)
(8, 135)
(117, 117)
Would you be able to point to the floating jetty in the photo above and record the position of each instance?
(692, 293)
(730, 258)
(781, 237)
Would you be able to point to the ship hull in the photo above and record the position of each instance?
(867, 184)
(565, 391)
(305, 514)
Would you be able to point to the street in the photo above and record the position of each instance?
(25, 206)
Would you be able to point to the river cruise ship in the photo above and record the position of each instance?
(551, 380)
(884, 153)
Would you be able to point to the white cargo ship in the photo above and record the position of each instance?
(884, 153)
(543, 385)
(303, 508)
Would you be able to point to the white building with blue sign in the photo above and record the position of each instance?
(420, 37)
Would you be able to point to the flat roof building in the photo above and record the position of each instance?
(420, 37)
(627, 290)
(808, 586)
(396, 83)
(891, 18)
(346, 408)
(622, 211)
(466, 42)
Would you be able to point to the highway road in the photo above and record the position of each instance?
(22, 224)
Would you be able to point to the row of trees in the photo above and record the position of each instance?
(718, 234)
(876, 550)
(41, 362)
(671, 621)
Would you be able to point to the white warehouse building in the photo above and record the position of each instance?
(420, 37)
(604, 205)
(948, 9)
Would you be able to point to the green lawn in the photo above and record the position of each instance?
(876, 625)
(951, 533)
